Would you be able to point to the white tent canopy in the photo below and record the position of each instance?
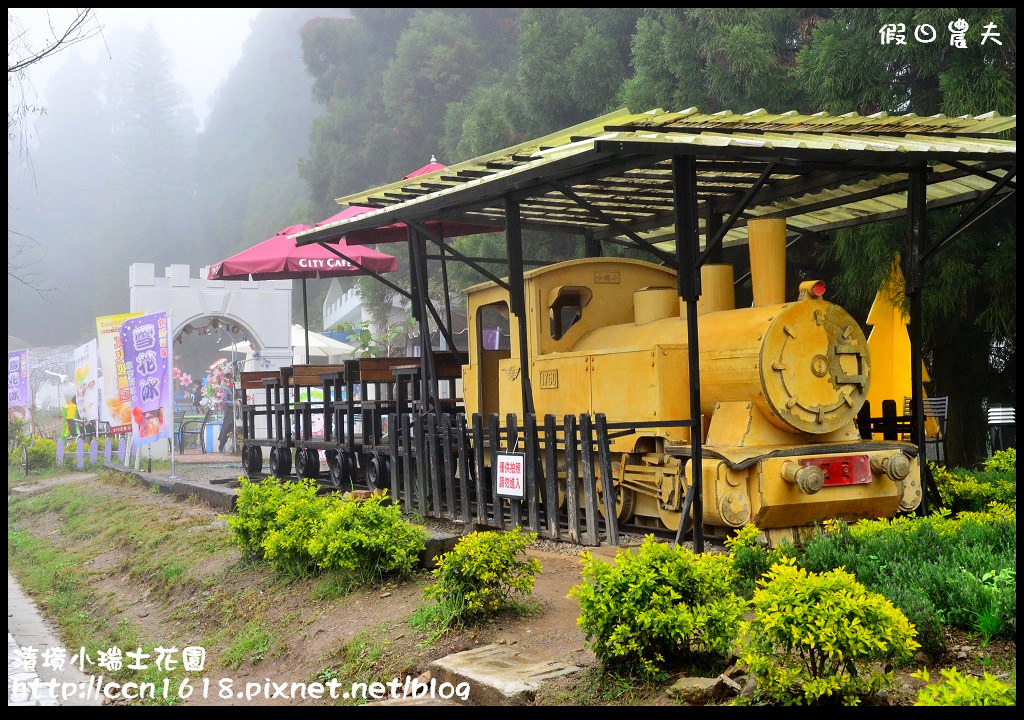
(320, 346)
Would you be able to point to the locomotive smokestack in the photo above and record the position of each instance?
(718, 292)
(767, 239)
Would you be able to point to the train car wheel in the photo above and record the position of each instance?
(350, 468)
(307, 463)
(280, 462)
(376, 473)
(252, 460)
(334, 469)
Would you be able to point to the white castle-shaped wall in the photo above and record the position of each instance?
(262, 306)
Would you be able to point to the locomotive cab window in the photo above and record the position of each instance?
(494, 327)
(566, 305)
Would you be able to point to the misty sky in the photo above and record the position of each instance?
(205, 42)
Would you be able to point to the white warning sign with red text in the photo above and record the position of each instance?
(510, 476)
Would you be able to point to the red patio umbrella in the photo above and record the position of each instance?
(279, 258)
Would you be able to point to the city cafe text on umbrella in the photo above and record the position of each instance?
(278, 258)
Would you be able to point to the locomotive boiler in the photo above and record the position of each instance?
(781, 383)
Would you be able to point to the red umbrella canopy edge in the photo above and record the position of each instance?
(279, 258)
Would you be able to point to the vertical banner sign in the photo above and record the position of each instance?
(86, 388)
(17, 379)
(146, 346)
(116, 407)
(511, 467)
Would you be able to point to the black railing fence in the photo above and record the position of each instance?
(446, 467)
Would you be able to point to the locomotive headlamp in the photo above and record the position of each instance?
(812, 290)
(808, 479)
(895, 466)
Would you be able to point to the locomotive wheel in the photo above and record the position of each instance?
(625, 503)
(280, 462)
(376, 472)
(252, 460)
(671, 520)
(625, 498)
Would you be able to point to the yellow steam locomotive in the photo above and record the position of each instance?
(781, 384)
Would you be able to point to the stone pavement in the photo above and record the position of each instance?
(26, 628)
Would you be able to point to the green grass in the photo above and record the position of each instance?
(364, 659)
(333, 585)
(594, 686)
(53, 577)
(251, 644)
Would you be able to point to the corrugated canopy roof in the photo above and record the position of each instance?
(612, 177)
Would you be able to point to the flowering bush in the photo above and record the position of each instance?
(220, 375)
(183, 378)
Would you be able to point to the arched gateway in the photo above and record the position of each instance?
(263, 307)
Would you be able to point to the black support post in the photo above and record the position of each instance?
(516, 294)
(417, 261)
(914, 274)
(684, 188)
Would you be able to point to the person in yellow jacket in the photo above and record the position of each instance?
(70, 413)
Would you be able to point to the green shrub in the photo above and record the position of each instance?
(42, 454)
(299, 519)
(957, 689)
(932, 568)
(657, 606)
(914, 602)
(817, 638)
(1004, 460)
(485, 573)
(16, 429)
(751, 559)
(366, 540)
(963, 490)
(298, 532)
(255, 510)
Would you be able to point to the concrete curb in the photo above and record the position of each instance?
(218, 496)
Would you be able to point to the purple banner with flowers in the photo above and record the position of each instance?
(17, 378)
(146, 361)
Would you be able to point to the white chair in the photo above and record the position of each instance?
(938, 409)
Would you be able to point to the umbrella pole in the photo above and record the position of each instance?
(305, 318)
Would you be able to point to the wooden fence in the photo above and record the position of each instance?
(441, 467)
